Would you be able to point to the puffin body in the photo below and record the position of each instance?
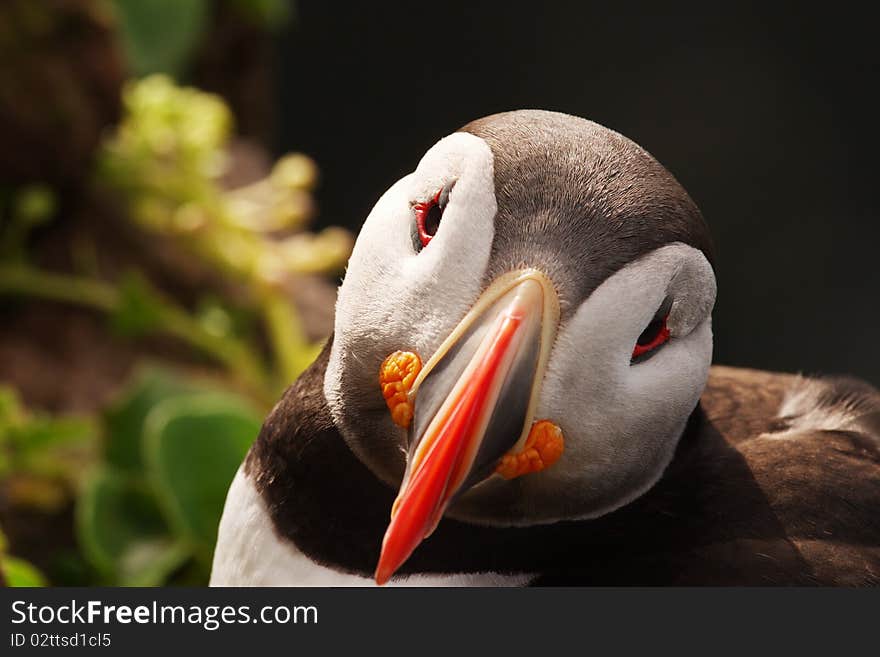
(556, 419)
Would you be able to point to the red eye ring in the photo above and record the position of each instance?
(654, 339)
(428, 217)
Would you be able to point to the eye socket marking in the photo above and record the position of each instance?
(428, 217)
(652, 337)
(655, 335)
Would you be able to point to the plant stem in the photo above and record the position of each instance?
(286, 335)
(21, 279)
(236, 355)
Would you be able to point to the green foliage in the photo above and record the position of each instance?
(41, 457)
(42, 464)
(123, 533)
(193, 447)
(149, 501)
(17, 572)
(153, 507)
(148, 473)
(167, 157)
(165, 161)
(124, 419)
(161, 35)
(139, 309)
(168, 149)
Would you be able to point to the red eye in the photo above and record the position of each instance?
(652, 337)
(428, 216)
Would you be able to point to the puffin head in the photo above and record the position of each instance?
(551, 286)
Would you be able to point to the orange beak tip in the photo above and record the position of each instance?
(387, 566)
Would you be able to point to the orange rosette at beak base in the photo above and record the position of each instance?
(543, 448)
(396, 378)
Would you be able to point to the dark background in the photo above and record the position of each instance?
(766, 116)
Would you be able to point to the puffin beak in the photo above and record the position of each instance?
(474, 400)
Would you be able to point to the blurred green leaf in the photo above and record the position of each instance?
(139, 307)
(288, 337)
(123, 533)
(23, 430)
(194, 446)
(151, 563)
(160, 36)
(18, 572)
(124, 419)
(42, 433)
(42, 451)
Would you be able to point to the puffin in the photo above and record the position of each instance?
(519, 391)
